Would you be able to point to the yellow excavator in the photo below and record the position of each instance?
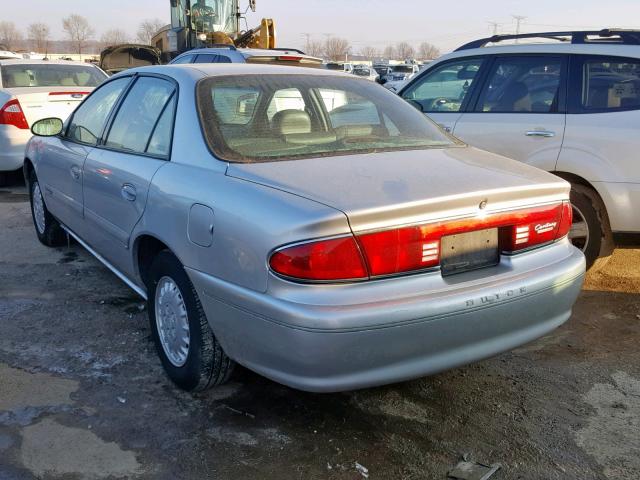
(204, 23)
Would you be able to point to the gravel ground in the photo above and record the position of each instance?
(82, 393)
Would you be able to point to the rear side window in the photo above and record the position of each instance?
(444, 88)
(140, 114)
(610, 84)
(183, 59)
(206, 58)
(90, 118)
(522, 85)
(52, 75)
(223, 59)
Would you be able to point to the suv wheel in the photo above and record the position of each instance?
(190, 353)
(590, 231)
(49, 231)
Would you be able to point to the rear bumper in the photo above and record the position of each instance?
(338, 347)
(13, 142)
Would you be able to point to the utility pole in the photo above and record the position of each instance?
(518, 19)
(308, 37)
(494, 26)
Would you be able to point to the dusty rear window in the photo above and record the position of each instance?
(52, 75)
(253, 118)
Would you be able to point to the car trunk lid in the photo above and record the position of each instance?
(382, 190)
(44, 102)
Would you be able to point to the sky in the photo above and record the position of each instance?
(377, 23)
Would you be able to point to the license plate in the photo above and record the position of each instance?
(469, 251)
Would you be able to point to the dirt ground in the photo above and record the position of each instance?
(83, 396)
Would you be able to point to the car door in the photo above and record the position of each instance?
(443, 91)
(520, 110)
(60, 164)
(601, 137)
(117, 173)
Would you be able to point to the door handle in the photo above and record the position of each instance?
(540, 133)
(445, 128)
(129, 192)
(75, 172)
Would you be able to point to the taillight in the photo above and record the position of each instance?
(289, 58)
(535, 227)
(336, 259)
(12, 114)
(416, 247)
(402, 250)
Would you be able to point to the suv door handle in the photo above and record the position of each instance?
(75, 172)
(129, 192)
(540, 133)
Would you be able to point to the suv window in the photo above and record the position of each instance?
(522, 85)
(444, 88)
(184, 59)
(223, 59)
(139, 115)
(206, 58)
(610, 84)
(89, 119)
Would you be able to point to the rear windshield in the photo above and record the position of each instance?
(52, 75)
(254, 118)
(403, 69)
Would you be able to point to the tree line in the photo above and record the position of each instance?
(337, 49)
(80, 35)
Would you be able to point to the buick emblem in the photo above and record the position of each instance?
(483, 205)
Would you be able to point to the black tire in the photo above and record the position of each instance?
(599, 246)
(52, 234)
(206, 364)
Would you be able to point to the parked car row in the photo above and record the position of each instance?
(35, 89)
(321, 230)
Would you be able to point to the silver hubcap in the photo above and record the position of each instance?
(172, 322)
(579, 233)
(38, 208)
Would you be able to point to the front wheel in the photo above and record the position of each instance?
(590, 231)
(48, 230)
(190, 353)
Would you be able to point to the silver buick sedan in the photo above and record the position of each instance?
(306, 224)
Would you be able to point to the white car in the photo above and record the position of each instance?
(399, 75)
(34, 89)
(366, 72)
(570, 107)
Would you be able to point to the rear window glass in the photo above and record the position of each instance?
(52, 75)
(279, 117)
(611, 84)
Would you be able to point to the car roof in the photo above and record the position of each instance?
(246, 52)
(549, 48)
(201, 70)
(43, 62)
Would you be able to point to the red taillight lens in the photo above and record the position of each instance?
(538, 226)
(401, 250)
(12, 114)
(566, 221)
(325, 260)
(289, 58)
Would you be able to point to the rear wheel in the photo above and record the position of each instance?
(190, 353)
(590, 231)
(48, 230)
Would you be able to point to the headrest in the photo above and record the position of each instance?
(287, 122)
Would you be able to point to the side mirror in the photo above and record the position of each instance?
(47, 127)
